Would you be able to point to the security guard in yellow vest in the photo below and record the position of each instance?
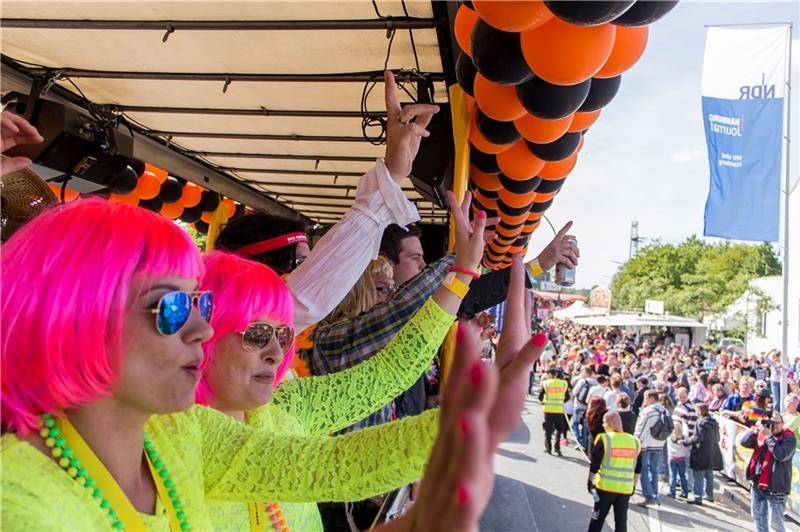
(553, 393)
(614, 466)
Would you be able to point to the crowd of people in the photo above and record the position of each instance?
(665, 395)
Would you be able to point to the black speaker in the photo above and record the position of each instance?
(75, 143)
(434, 241)
(432, 171)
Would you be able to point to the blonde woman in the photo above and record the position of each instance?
(678, 455)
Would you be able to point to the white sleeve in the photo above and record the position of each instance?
(341, 256)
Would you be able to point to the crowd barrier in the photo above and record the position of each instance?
(735, 459)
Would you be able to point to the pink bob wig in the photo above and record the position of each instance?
(66, 277)
(243, 291)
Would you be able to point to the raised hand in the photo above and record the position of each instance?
(469, 236)
(405, 129)
(15, 130)
(559, 251)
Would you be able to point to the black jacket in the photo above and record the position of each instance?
(487, 291)
(782, 448)
(628, 420)
(705, 446)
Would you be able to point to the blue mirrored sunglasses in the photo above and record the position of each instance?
(174, 309)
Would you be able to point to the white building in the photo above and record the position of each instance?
(759, 309)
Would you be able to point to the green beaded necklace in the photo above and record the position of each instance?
(68, 460)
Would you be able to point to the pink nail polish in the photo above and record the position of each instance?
(482, 214)
(464, 426)
(476, 373)
(540, 339)
(463, 495)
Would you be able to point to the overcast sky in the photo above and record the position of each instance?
(645, 158)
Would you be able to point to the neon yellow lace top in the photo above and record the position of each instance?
(212, 456)
(321, 405)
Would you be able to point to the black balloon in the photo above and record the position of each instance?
(209, 201)
(137, 165)
(485, 162)
(558, 150)
(488, 194)
(508, 226)
(191, 215)
(601, 93)
(465, 73)
(201, 227)
(240, 209)
(513, 211)
(154, 204)
(124, 180)
(467, 3)
(503, 241)
(495, 131)
(530, 224)
(498, 55)
(519, 187)
(645, 12)
(545, 100)
(522, 241)
(171, 190)
(541, 206)
(591, 13)
(546, 187)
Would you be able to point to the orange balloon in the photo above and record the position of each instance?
(516, 249)
(191, 196)
(540, 130)
(485, 203)
(206, 217)
(553, 171)
(159, 173)
(583, 121)
(529, 228)
(148, 186)
(629, 46)
(514, 15)
(510, 234)
(511, 219)
(230, 206)
(535, 215)
(479, 141)
(542, 196)
(565, 54)
(516, 200)
(519, 162)
(462, 26)
(130, 198)
(69, 194)
(172, 210)
(485, 181)
(497, 101)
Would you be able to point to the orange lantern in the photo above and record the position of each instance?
(565, 54)
(541, 130)
(513, 15)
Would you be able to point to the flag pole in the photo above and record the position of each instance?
(786, 202)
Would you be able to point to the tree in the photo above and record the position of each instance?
(693, 277)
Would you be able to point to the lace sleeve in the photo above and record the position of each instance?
(240, 463)
(329, 403)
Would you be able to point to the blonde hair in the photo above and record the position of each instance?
(362, 296)
(677, 431)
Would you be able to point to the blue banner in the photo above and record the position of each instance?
(744, 82)
(744, 153)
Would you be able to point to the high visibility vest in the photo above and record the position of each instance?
(554, 390)
(619, 463)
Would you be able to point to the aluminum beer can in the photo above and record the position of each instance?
(565, 276)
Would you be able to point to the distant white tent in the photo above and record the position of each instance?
(576, 310)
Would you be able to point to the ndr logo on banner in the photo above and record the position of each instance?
(757, 92)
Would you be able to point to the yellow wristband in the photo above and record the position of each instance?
(456, 285)
(535, 269)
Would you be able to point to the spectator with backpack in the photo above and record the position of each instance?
(705, 456)
(653, 428)
(580, 400)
